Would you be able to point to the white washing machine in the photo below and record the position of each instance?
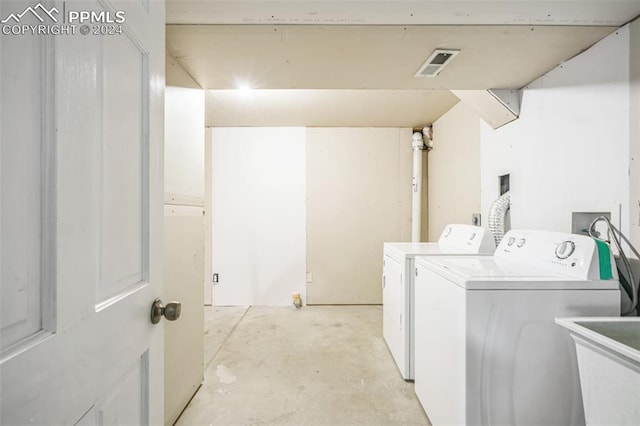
(487, 349)
(397, 284)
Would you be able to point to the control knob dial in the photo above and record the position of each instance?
(565, 249)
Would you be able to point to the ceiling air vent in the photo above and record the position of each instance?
(439, 59)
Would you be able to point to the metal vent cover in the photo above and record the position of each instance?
(439, 59)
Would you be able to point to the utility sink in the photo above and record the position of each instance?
(608, 351)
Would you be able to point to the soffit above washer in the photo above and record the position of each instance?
(326, 108)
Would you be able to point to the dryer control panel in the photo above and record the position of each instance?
(466, 239)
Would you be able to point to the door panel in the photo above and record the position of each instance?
(93, 164)
(125, 155)
(126, 401)
(21, 160)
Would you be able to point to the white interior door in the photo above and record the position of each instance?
(81, 216)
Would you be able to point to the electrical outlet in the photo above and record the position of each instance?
(475, 219)
(309, 277)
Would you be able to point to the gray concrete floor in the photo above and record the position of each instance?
(318, 365)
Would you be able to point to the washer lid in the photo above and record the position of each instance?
(402, 251)
(487, 273)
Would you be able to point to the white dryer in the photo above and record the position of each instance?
(398, 290)
(487, 349)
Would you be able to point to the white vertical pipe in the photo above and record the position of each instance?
(416, 199)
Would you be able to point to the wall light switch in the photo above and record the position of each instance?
(309, 277)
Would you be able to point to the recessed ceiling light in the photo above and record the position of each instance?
(244, 89)
(439, 59)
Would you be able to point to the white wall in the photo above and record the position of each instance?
(358, 197)
(570, 147)
(291, 200)
(454, 169)
(184, 242)
(259, 216)
(634, 114)
(184, 142)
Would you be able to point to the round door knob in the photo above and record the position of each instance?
(171, 312)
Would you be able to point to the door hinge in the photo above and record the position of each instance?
(216, 279)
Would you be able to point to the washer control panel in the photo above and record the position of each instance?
(570, 254)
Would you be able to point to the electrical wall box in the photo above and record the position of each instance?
(580, 221)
